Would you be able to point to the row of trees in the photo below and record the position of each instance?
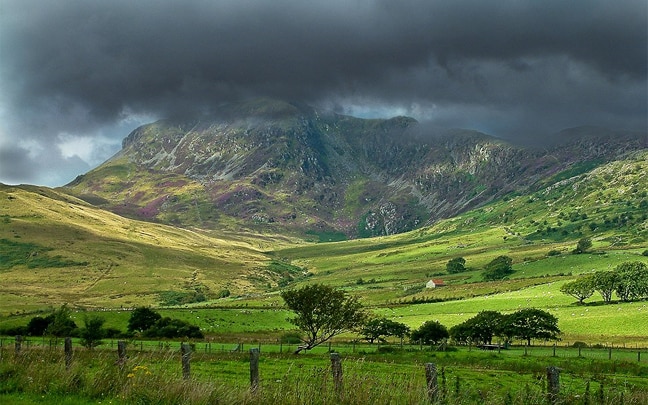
(142, 322)
(323, 312)
(524, 324)
(629, 281)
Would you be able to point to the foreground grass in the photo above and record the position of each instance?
(395, 377)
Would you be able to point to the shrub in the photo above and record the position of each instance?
(291, 338)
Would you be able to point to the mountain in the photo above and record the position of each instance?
(272, 166)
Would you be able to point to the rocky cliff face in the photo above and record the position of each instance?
(266, 164)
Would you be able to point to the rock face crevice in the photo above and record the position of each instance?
(288, 167)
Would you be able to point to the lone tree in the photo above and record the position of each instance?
(322, 312)
(530, 323)
(456, 265)
(498, 268)
(582, 288)
(93, 331)
(583, 245)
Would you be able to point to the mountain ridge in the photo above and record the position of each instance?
(278, 166)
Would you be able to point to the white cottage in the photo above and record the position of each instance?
(434, 283)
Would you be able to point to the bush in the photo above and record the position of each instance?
(291, 338)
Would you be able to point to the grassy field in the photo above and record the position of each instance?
(396, 377)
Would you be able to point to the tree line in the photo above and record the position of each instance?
(323, 312)
(143, 322)
(628, 280)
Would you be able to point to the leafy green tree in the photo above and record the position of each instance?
(632, 280)
(171, 328)
(498, 268)
(482, 327)
(530, 323)
(431, 332)
(582, 288)
(605, 283)
(583, 245)
(37, 326)
(61, 323)
(93, 331)
(379, 328)
(461, 334)
(322, 312)
(456, 265)
(142, 318)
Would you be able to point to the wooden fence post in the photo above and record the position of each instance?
(254, 369)
(554, 350)
(336, 369)
(610, 353)
(638, 356)
(68, 352)
(121, 353)
(185, 350)
(432, 383)
(553, 384)
(18, 345)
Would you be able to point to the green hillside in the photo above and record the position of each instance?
(57, 249)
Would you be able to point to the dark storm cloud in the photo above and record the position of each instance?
(510, 65)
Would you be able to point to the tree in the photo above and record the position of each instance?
(461, 333)
(431, 332)
(582, 288)
(322, 312)
(605, 283)
(142, 318)
(61, 323)
(530, 323)
(456, 265)
(482, 327)
(173, 328)
(632, 280)
(37, 326)
(583, 245)
(379, 328)
(92, 332)
(498, 268)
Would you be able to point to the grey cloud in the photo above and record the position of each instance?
(76, 65)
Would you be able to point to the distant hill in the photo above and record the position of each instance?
(285, 167)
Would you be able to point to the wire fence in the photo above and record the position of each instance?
(564, 350)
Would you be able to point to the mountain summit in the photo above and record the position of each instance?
(271, 165)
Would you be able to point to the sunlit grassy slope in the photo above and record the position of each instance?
(62, 249)
(538, 230)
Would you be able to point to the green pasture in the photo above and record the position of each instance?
(465, 376)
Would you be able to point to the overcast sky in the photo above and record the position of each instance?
(76, 76)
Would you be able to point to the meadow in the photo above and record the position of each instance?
(370, 374)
